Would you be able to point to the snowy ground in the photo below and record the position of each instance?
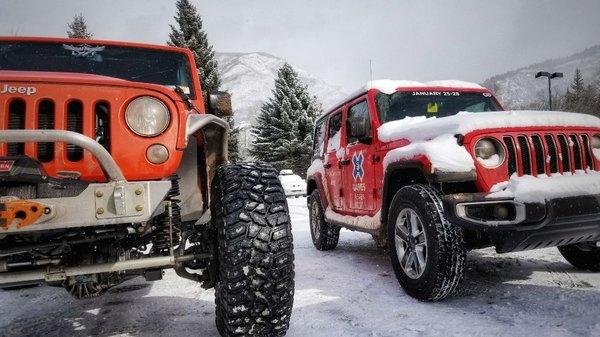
(350, 291)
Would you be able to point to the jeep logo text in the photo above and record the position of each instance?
(7, 89)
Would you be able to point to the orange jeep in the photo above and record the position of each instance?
(111, 167)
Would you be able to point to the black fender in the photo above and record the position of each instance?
(403, 173)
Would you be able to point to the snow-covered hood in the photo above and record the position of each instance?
(434, 137)
(422, 128)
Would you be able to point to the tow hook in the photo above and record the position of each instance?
(21, 213)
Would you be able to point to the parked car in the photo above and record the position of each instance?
(293, 184)
(111, 167)
(437, 169)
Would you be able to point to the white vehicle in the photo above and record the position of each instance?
(293, 184)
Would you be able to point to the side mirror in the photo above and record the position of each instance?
(358, 128)
(219, 103)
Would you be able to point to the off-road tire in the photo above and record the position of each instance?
(254, 289)
(582, 257)
(446, 253)
(324, 235)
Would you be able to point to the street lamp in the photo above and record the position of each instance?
(550, 77)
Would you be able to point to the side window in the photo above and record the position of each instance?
(359, 111)
(319, 139)
(335, 132)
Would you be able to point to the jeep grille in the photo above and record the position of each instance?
(548, 153)
(47, 115)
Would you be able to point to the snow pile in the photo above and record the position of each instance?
(434, 137)
(443, 152)
(464, 122)
(454, 84)
(390, 86)
(492, 161)
(365, 221)
(542, 188)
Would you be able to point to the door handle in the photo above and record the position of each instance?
(327, 165)
(344, 162)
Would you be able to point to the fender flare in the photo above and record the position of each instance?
(424, 168)
(211, 133)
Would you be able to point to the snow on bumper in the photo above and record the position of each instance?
(529, 189)
(533, 212)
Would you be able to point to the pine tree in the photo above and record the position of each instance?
(572, 98)
(189, 34)
(284, 127)
(78, 28)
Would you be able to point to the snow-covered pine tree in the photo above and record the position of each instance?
(284, 126)
(189, 34)
(78, 28)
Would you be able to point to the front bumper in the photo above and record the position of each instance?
(117, 201)
(556, 222)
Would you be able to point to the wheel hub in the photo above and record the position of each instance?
(411, 243)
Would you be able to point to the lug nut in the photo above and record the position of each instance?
(139, 208)
(138, 191)
(99, 194)
(100, 210)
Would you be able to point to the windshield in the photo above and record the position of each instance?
(128, 63)
(431, 104)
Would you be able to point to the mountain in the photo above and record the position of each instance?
(519, 88)
(250, 77)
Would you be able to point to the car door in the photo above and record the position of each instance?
(358, 165)
(332, 166)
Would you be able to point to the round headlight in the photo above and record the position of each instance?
(596, 146)
(147, 116)
(489, 152)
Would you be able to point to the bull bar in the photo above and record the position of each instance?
(115, 202)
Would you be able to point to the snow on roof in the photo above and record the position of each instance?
(390, 86)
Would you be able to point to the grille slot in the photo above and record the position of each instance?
(75, 124)
(564, 153)
(540, 160)
(576, 152)
(525, 155)
(587, 148)
(16, 121)
(102, 129)
(512, 155)
(552, 153)
(45, 151)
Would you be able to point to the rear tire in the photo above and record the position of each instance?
(254, 289)
(427, 252)
(324, 236)
(584, 256)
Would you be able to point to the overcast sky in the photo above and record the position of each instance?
(421, 40)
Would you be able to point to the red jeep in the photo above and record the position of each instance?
(436, 169)
(111, 167)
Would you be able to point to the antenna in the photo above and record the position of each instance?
(371, 69)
